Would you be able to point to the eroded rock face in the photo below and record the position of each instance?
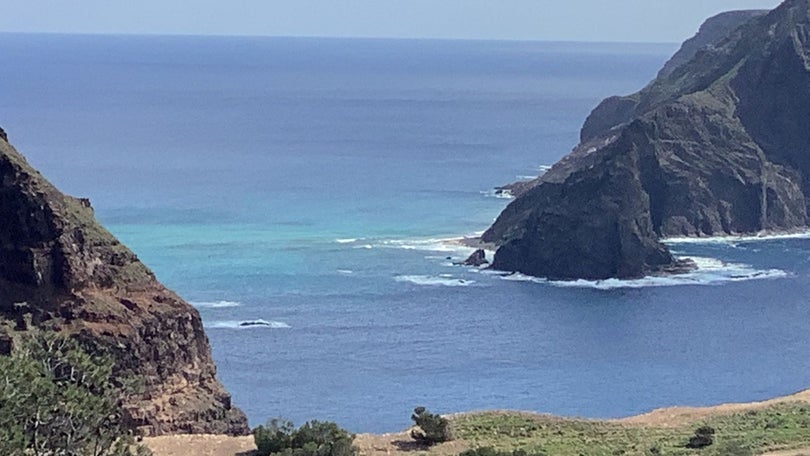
(717, 145)
(61, 270)
(477, 258)
(617, 110)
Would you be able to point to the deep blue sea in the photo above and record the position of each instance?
(309, 183)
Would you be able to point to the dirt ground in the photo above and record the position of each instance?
(200, 445)
(678, 416)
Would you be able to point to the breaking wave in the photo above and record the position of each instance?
(448, 245)
(214, 304)
(710, 271)
(444, 280)
(735, 239)
(246, 324)
(500, 194)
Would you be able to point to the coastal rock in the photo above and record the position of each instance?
(60, 270)
(711, 32)
(717, 145)
(477, 259)
(617, 110)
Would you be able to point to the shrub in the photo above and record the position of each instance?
(489, 451)
(704, 436)
(314, 438)
(431, 429)
(733, 448)
(273, 437)
(55, 398)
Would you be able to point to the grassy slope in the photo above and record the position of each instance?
(764, 427)
(778, 424)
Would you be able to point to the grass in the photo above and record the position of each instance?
(780, 426)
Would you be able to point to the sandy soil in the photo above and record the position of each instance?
(799, 452)
(388, 444)
(200, 445)
(678, 416)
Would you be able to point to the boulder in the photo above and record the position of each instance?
(477, 258)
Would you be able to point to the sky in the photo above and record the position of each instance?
(557, 20)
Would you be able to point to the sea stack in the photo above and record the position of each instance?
(717, 144)
(60, 270)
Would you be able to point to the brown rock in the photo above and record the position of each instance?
(61, 270)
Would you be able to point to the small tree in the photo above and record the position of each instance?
(489, 451)
(314, 438)
(56, 399)
(273, 437)
(431, 429)
(704, 436)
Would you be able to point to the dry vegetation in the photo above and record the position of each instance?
(779, 427)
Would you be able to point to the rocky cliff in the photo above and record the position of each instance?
(719, 144)
(617, 110)
(60, 270)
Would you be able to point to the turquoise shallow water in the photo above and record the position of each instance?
(308, 183)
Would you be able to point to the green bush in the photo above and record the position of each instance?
(431, 429)
(314, 438)
(273, 437)
(57, 399)
(489, 451)
(704, 436)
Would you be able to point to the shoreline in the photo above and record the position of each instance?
(765, 235)
(475, 242)
(472, 242)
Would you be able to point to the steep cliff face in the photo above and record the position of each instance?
(616, 110)
(60, 270)
(717, 145)
(711, 32)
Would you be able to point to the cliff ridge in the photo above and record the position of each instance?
(61, 270)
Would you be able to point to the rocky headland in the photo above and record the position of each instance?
(717, 144)
(60, 270)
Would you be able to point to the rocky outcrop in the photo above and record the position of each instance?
(717, 145)
(60, 270)
(711, 32)
(617, 110)
(477, 258)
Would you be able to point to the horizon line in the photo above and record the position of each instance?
(357, 37)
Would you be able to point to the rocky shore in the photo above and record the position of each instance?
(718, 144)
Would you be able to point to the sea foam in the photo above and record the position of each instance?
(214, 304)
(246, 324)
(444, 280)
(446, 245)
(500, 194)
(735, 239)
(710, 271)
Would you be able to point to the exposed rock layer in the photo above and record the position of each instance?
(60, 270)
(717, 145)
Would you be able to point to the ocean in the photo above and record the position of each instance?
(310, 185)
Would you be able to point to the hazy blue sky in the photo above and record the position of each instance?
(577, 20)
